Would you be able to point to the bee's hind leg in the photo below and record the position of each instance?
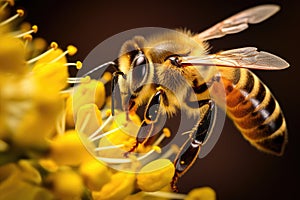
(191, 148)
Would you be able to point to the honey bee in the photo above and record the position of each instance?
(174, 70)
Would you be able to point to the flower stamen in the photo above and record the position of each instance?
(167, 195)
(71, 50)
(85, 122)
(19, 13)
(60, 124)
(109, 119)
(53, 47)
(67, 91)
(79, 79)
(33, 29)
(78, 64)
(27, 39)
(109, 147)
(5, 5)
(124, 160)
(157, 149)
(106, 133)
(166, 133)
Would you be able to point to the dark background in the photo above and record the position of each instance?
(234, 169)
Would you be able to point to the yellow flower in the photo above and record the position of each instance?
(14, 188)
(38, 123)
(67, 149)
(66, 184)
(30, 98)
(12, 55)
(51, 76)
(120, 186)
(147, 195)
(70, 117)
(88, 119)
(126, 131)
(155, 175)
(28, 114)
(204, 193)
(53, 55)
(95, 174)
(89, 92)
(48, 164)
(55, 127)
(21, 181)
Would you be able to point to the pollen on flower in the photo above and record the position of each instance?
(78, 65)
(108, 112)
(20, 12)
(167, 132)
(54, 45)
(34, 28)
(157, 149)
(71, 50)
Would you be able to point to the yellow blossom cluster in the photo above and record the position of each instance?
(49, 130)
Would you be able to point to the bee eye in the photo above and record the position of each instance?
(139, 70)
(141, 60)
(175, 61)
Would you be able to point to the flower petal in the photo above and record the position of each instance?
(204, 193)
(120, 186)
(155, 175)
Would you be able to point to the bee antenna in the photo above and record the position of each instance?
(101, 67)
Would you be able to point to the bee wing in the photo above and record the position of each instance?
(239, 21)
(247, 57)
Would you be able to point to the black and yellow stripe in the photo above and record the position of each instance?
(254, 110)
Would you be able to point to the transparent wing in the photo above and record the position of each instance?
(247, 57)
(239, 21)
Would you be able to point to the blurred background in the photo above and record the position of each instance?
(233, 168)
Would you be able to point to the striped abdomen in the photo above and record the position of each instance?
(254, 110)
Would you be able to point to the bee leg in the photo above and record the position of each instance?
(113, 84)
(142, 136)
(151, 115)
(191, 148)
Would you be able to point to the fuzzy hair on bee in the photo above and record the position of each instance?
(161, 70)
(174, 70)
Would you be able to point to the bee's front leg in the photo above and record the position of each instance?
(191, 148)
(151, 115)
